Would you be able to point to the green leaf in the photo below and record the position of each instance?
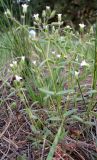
(77, 118)
(46, 60)
(89, 123)
(65, 92)
(34, 130)
(92, 91)
(82, 121)
(56, 140)
(70, 112)
(38, 49)
(52, 14)
(43, 90)
(31, 115)
(54, 118)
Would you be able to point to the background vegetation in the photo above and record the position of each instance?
(73, 11)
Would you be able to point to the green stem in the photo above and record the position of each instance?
(81, 93)
(95, 65)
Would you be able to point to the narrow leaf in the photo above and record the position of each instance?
(65, 92)
(43, 90)
(56, 140)
(70, 112)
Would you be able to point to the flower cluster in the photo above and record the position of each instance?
(16, 67)
(82, 64)
(13, 64)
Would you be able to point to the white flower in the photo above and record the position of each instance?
(47, 7)
(23, 58)
(25, 6)
(76, 74)
(11, 65)
(58, 55)
(7, 12)
(18, 78)
(82, 26)
(34, 62)
(45, 26)
(14, 62)
(84, 63)
(32, 34)
(36, 16)
(53, 52)
(68, 27)
(59, 17)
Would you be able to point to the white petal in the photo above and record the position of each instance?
(25, 6)
(84, 63)
(53, 52)
(23, 58)
(11, 65)
(18, 78)
(32, 34)
(47, 7)
(34, 62)
(82, 25)
(14, 62)
(58, 55)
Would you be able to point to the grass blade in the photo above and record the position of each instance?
(56, 140)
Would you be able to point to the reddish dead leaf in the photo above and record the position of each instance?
(21, 143)
(59, 154)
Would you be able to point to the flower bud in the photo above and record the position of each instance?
(43, 13)
(59, 17)
(47, 7)
(7, 12)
